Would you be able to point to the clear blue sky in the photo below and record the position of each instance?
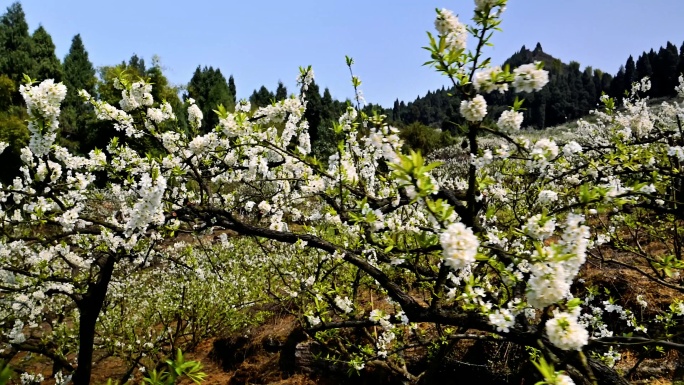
(263, 41)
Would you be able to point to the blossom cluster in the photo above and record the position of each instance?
(510, 120)
(460, 245)
(565, 332)
(43, 105)
(454, 32)
(474, 110)
(530, 77)
(489, 80)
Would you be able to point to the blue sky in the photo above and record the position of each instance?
(263, 41)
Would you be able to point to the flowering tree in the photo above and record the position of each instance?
(383, 253)
(73, 254)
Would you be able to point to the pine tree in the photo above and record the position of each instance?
(630, 73)
(314, 107)
(137, 64)
(47, 65)
(395, 111)
(281, 92)
(578, 100)
(590, 90)
(79, 74)
(16, 47)
(233, 92)
(670, 66)
(327, 141)
(657, 78)
(261, 98)
(327, 107)
(209, 89)
(680, 67)
(643, 67)
(617, 86)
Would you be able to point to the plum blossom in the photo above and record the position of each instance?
(547, 196)
(529, 78)
(195, 115)
(43, 105)
(547, 285)
(510, 120)
(565, 332)
(460, 245)
(139, 95)
(148, 209)
(454, 32)
(502, 319)
(487, 80)
(481, 5)
(564, 379)
(344, 304)
(571, 148)
(677, 152)
(474, 110)
(539, 228)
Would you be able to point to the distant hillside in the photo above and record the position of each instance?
(570, 94)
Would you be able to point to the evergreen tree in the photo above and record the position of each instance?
(598, 82)
(326, 143)
(47, 65)
(314, 107)
(78, 74)
(538, 110)
(606, 81)
(209, 88)
(7, 90)
(281, 92)
(233, 91)
(578, 100)
(643, 67)
(617, 87)
(630, 73)
(137, 64)
(395, 111)
(14, 132)
(16, 47)
(328, 112)
(670, 64)
(654, 59)
(262, 97)
(680, 66)
(590, 89)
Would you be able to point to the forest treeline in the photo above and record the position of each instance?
(570, 94)
(425, 123)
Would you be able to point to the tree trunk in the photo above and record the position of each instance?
(89, 309)
(605, 374)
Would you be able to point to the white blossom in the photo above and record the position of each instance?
(502, 319)
(454, 32)
(195, 115)
(547, 196)
(344, 304)
(474, 110)
(487, 80)
(459, 245)
(528, 78)
(481, 5)
(565, 332)
(510, 120)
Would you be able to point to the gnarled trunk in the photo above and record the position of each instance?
(89, 308)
